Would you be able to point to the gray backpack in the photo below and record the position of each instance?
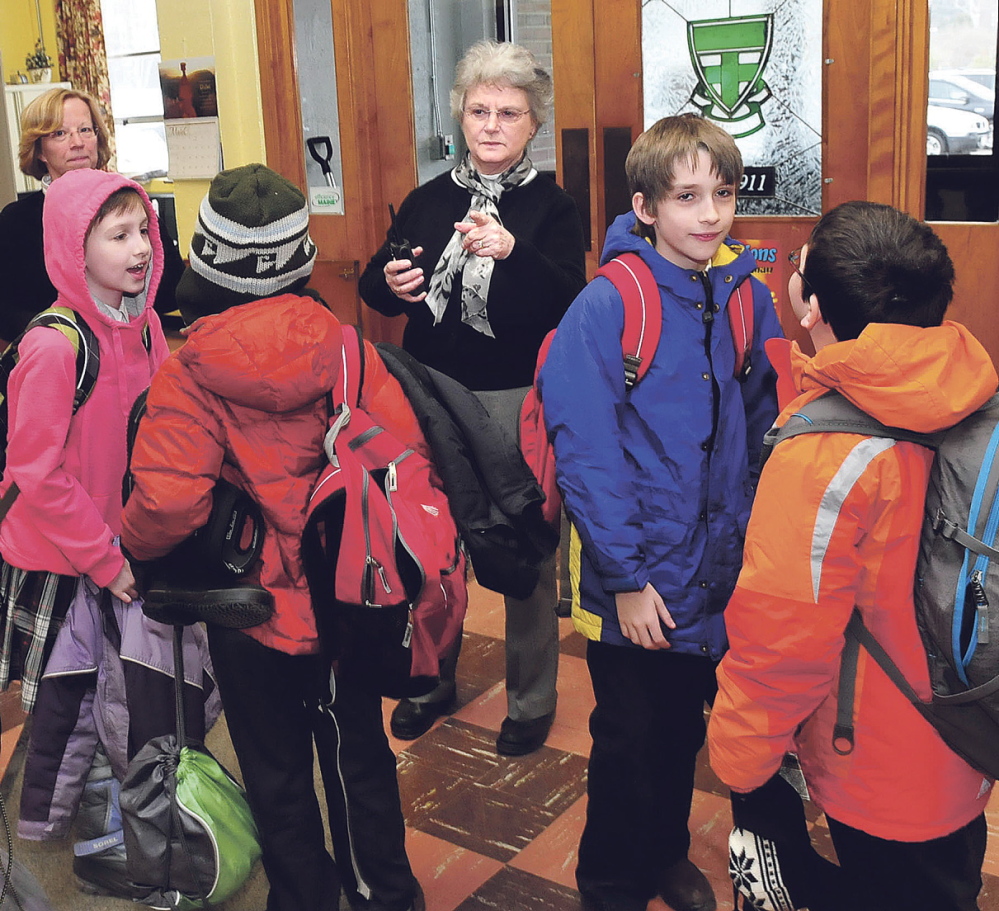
(956, 586)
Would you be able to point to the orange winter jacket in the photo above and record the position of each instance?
(836, 523)
(248, 390)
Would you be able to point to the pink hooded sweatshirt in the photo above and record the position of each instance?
(68, 467)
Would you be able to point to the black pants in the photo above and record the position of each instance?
(944, 874)
(276, 705)
(647, 728)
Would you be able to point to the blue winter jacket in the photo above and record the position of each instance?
(658, 482)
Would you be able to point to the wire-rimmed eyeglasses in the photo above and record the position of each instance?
(506, 116)
(794, 258)
(85, 133)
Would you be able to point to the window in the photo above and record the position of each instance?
(131, 33)
(962, 176)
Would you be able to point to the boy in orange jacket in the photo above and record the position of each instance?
(836, 525)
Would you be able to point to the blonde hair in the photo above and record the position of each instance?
(43, 116)
(503, 64)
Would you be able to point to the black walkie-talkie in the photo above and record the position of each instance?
(400, 248)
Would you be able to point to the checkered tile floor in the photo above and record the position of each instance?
(490, 832)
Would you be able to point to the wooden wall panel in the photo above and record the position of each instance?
(573, 70)
(976, 291)
(374, 90)
(618, 57)
(846, 92)
(279, 90)
(874, 88)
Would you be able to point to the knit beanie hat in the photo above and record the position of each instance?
(251, 241)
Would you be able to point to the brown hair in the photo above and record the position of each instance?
(124, 199)
(43, 116)
(651, 164)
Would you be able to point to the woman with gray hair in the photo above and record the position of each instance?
(499, 259)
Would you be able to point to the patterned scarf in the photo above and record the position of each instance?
(476, 271)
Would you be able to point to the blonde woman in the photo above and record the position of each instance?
(61, 131)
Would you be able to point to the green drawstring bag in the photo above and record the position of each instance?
(189, 833)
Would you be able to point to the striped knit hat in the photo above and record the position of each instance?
(251, 241)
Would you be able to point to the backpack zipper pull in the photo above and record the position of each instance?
(981, 607)
(381, 574)
(407, 637)
(392, 478)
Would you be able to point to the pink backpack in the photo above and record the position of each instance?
(380, 549)
(639, 339)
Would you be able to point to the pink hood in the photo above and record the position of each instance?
(70, 467)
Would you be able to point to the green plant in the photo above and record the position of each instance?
(39, 59)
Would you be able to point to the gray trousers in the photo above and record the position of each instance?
(532, 634)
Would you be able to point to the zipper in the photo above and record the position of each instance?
(392, 486)
(371, 565)
(708, 319)
(981, 606)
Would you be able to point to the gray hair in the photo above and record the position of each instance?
(502, 64)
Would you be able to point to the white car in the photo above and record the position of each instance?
(953, 132)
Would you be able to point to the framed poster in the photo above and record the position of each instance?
(754, 67)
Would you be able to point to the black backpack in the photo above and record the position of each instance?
(956, 589)
(202, 578)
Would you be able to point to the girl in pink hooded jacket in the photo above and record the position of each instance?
(64, 582)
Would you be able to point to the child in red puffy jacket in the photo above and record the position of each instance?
(248, 389)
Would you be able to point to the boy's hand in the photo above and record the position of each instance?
(641, 616)
(123, 585)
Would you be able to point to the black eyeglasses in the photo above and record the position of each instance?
(794, 258)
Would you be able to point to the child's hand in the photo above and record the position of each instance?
(123, 585)
(641, 616)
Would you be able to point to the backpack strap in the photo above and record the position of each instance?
(856, 635)
(833, 413)
(740, 318)
(84, 342)
(639, 291)
(351, 379)
(643, 320)
(88, 361)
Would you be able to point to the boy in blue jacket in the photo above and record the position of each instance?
(658, 483)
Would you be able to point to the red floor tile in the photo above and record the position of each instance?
(447, 873)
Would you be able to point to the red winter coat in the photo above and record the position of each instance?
(248, 389)
(836, 523)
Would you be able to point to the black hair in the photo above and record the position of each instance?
(871, 263)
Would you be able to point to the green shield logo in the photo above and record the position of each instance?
(729, 56)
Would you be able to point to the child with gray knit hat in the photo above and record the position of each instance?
(251, 241)
(248, 391)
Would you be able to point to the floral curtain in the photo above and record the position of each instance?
(82, 57)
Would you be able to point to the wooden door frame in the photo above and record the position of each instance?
(375, 99)
(879, 157)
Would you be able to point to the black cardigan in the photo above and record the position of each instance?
(530, 289)
(494, 497)
(25, 288)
